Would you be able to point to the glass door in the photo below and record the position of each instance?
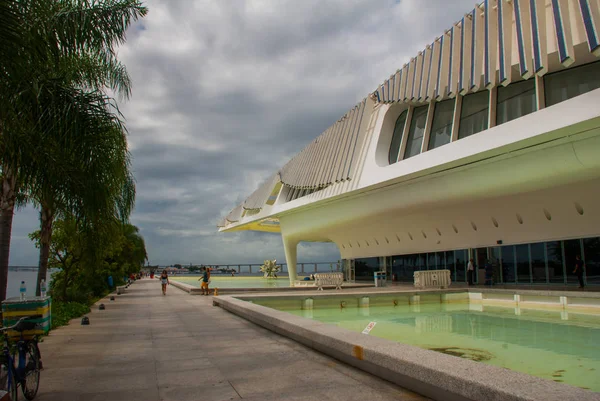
(479, 258)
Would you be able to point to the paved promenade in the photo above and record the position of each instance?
(178, 347)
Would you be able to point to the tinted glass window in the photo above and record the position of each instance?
(516, 100)
(365, 267)
(451, 264)
(522, 252)
(572, 249)
(474, 114)
(571, 82)
(397, 138)
(460, 257)
(508, 264)
(417, 130)
(555, 261)
(441, 128)
(591, 248)
(538, 262)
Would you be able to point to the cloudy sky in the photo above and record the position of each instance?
(226, 92)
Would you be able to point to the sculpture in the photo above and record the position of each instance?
(270, 268)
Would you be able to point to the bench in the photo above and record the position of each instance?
(329, 280)
(432, 279)
(120, 290)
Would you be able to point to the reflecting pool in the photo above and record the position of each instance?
(555, 345)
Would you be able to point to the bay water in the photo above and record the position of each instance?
(29, 275)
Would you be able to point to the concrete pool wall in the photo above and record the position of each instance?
(194, 290)
(433, 374)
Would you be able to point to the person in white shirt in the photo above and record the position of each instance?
(470, 270)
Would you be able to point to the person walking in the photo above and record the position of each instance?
(579, 269)
(204, 281)
(470, 270)
(164, 280)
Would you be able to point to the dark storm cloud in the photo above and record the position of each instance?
(226, 92)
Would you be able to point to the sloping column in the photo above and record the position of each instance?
(291, 247)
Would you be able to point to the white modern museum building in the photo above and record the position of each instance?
(485, 145)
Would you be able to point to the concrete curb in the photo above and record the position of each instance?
(436, 375)
(192, 290)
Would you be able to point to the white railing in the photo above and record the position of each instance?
(329, 280)
(432, 279)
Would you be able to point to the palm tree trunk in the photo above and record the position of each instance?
(46, 219)
(7, 209)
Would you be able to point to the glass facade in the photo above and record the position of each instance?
(571, 82)
(397, 138)
(535, 263)
(474, 114)
(515, 100)
(591, 256)
(416, 132)
(508, 264)
(571, 249)
(365, 267)
(441, 128)
(555, 262)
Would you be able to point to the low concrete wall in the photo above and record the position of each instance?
(433, 374)
(192, 290)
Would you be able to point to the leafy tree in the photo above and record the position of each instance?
(82, 274)
(52, 51)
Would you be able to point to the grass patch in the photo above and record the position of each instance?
(62, 312)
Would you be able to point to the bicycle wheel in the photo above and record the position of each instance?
(7, 380)
(32, 371)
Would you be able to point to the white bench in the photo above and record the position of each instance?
(329, 280)
(432, 279)
(120, 290)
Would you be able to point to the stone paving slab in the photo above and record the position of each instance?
(150, 347)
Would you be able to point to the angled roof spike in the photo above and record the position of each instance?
(235, 215)
(257, 200)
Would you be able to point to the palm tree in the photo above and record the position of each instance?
(88, 173)
(64, 45)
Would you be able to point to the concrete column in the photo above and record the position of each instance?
(291, 247)
(307, 303)
(564, 302)
(363, 306)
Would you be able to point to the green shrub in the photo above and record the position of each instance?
(62, 312)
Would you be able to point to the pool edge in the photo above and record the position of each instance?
(435, 375)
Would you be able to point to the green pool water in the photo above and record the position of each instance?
(235, 282)
(548, 344)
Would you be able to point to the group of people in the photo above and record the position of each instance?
(204, 281)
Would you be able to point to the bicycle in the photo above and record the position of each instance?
(26, 354)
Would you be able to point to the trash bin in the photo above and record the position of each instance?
(13, 309)
(380, 279)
